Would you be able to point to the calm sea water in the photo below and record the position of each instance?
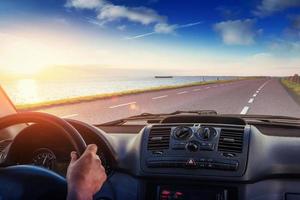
(34, 91)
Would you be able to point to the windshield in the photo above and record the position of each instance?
(102, 60)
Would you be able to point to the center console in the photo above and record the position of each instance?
(184, 154)
(194, 149)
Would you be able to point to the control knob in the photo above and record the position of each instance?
(192, 146)
(206, 133)
(182, 133)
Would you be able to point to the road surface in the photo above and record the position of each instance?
(256, 96)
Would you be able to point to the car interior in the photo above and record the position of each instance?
(180, 155)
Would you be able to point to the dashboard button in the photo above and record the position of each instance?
(229, 155)
(191, 163)
(157, 152)
(201, 165)
(192, 146)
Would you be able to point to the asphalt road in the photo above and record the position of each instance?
(257, 96)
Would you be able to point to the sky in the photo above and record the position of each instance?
(173, 37)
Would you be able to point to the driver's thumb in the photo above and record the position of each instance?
(74, 156)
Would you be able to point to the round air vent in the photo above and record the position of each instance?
(182, 133)
(206, 133)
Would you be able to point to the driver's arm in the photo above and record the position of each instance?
(85, 175)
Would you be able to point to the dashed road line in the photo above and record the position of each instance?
(198, 89)
(124, 104)
(69, 116)
(184, 92)
(251, 100)
(206, 87)
(160, 97)
(245, 110)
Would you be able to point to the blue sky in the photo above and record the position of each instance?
(229, 37)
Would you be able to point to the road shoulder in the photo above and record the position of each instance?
(292, 88)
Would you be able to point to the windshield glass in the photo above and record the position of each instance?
(102, 60)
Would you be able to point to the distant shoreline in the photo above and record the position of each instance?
(80, 99)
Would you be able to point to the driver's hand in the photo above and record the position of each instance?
(85, 175)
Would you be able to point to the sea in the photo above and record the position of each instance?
(30, 91)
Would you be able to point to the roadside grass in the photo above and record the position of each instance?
(292, 87)
(45, 104)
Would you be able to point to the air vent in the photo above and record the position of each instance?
(159, 138)
(231, 140)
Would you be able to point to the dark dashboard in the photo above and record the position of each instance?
(190, 157)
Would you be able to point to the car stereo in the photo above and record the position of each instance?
(191, 193)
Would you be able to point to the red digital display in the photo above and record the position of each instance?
(191, 193)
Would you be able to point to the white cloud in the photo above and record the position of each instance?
(269, 7)
(108, 12)
(237, 32)
(84, 4)
(285, 46)
(141, 15)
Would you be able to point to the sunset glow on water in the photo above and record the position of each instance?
(27, 91)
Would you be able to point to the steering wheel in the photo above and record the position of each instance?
(29, 182)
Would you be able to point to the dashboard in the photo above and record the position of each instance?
(184, 157)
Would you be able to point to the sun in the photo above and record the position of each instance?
(25, 55)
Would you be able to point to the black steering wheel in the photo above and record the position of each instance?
(29, 182)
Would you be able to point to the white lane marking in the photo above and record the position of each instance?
(251, 100)
(197, 89)
(257, 91)
(207, 87)
(215, 86)
(182, 92)
(245, 110)
(254, 95)
(159, 97)
(124, 104)
(69, 116)
(263, 85)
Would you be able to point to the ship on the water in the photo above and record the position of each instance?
(163, 76)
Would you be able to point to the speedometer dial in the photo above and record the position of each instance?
(44, 157)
